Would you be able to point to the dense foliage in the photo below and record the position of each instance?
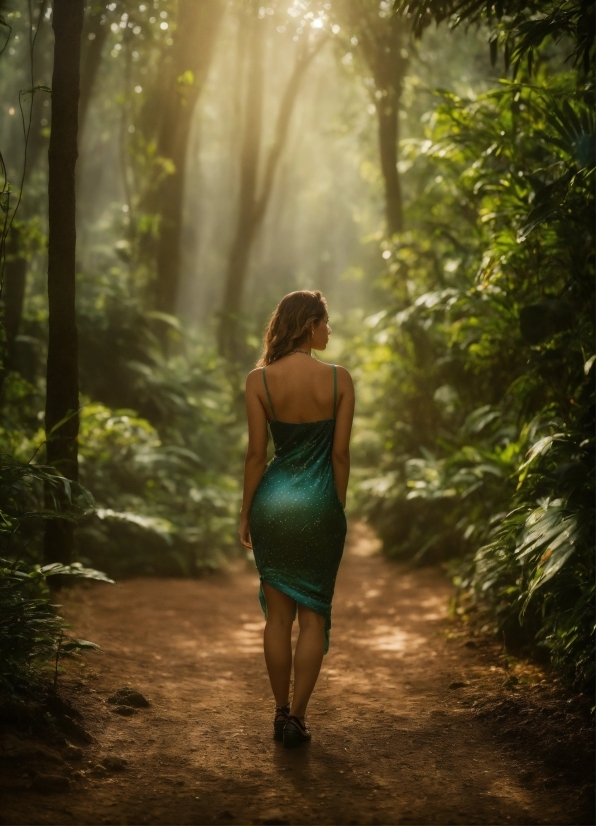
(485, 361)
(475, 431)
(159, 441)
(32, 635)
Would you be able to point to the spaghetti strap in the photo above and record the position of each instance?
(334, 390)
(268, 396)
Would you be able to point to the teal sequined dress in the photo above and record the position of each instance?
(297, 522)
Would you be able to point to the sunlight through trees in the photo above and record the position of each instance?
(428, 165)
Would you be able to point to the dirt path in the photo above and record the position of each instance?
(392, 742)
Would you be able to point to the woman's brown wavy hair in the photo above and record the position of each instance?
(291, 323)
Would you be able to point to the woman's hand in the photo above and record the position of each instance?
(244, 531)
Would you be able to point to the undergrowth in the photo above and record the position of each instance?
(476, 440)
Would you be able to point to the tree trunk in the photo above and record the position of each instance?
(62, 393)
(252, 207)
(196, 34)
(384, 53)
(228, 333)
(388, 126)
(380, 41)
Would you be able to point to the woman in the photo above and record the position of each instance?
(293, 513)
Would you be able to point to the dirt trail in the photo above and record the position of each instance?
(392, 742)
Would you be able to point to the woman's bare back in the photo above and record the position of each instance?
(301, 389)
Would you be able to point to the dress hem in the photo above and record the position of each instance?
(295, 595)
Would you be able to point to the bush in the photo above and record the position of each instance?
(31, 632)
(159, 443)
(484, 364)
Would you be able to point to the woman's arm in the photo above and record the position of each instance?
(340, 455)
(256, 453)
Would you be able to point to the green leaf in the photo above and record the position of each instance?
(79, 645)
(75, 570)
(588, 364)
(163, 527)
(539, 448)
(166, 318)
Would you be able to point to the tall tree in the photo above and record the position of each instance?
(196, 33)
(254, 198)
(62, 394)
(378, 37)
(15, 274)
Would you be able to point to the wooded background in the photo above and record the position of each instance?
(428, 166)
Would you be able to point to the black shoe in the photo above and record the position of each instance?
(281, 718)
(295, 732)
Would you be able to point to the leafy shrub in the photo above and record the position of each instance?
(159, 441)
(162, 508)
(481, 373)
(31, 632)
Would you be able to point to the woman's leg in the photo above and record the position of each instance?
(278, 642)
(307, 657)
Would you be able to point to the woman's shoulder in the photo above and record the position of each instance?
(323, 367)
(254, 376)
(342, 373)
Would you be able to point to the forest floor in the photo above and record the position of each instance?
(414, 720)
